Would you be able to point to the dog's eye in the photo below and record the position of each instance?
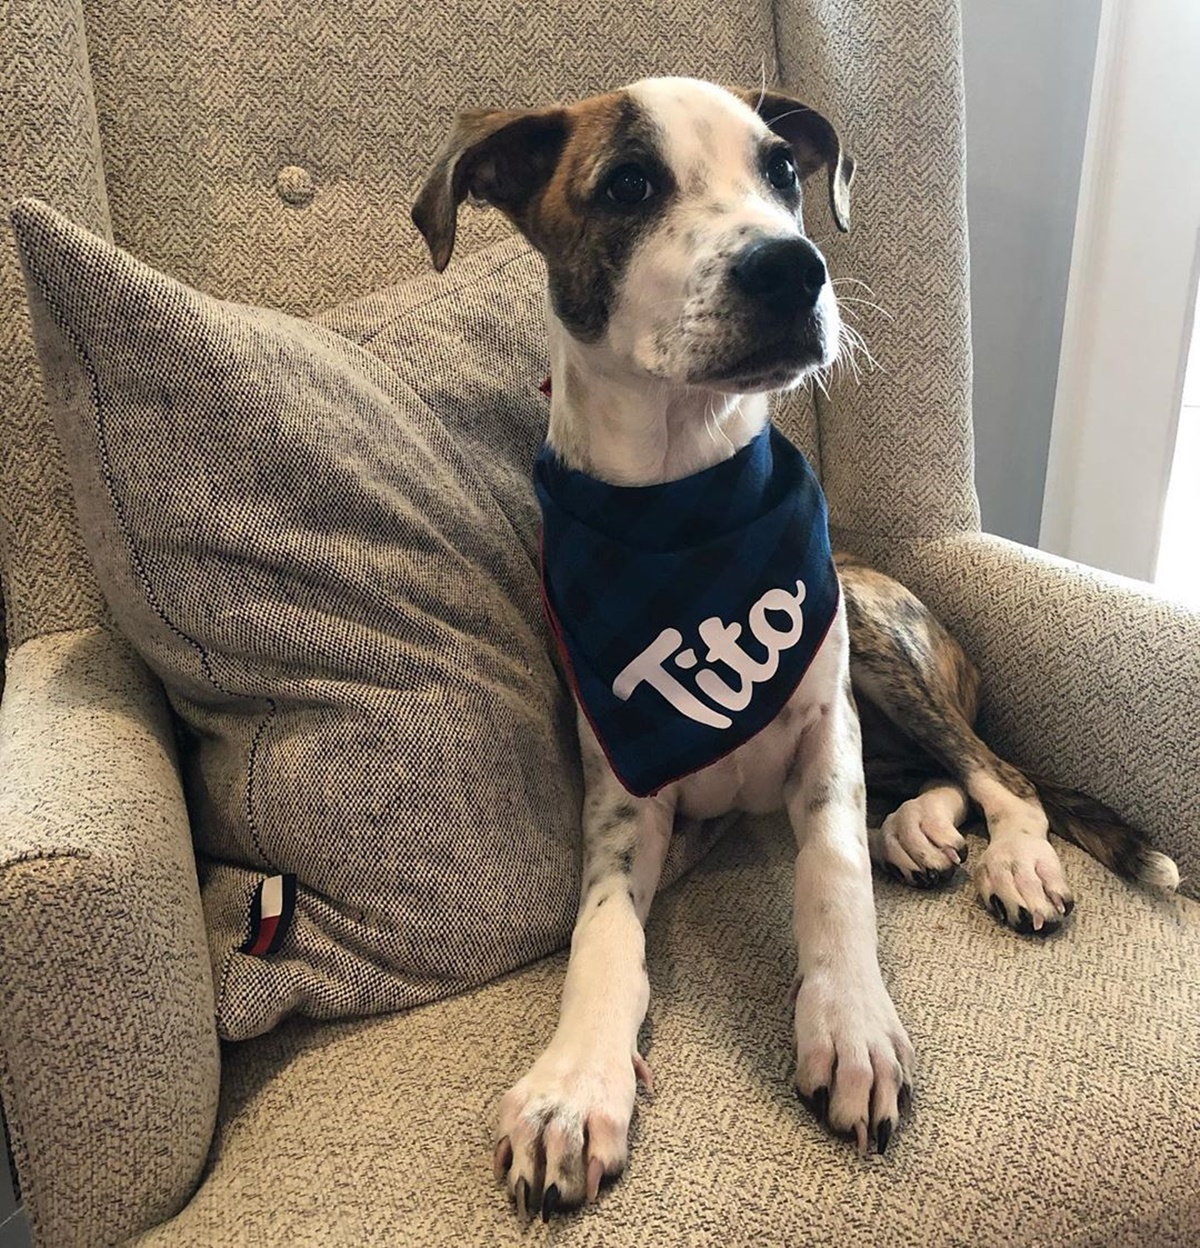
(781, 171)
(629, 185)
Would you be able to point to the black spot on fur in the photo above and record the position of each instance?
(821, 797)
(620, 815)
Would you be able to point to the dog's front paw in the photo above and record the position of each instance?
(565, 1126)
(1021, 881)
(853, 1057)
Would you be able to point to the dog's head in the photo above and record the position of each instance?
(670, 217)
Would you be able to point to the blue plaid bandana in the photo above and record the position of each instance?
(686, 613)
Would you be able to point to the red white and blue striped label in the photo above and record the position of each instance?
(271, 910)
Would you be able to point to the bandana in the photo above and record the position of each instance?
(686, 613)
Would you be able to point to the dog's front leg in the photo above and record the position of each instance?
(565, 1125)
(853, 1057)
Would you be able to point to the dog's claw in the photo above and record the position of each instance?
(820, 1104)
(595, 1172)
(641, 1068)
(550, 1203)
(522, 1195)
(502, 1158)
(860, 1137)
(883, 1134)
(998, 909)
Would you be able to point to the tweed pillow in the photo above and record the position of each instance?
(329, 557)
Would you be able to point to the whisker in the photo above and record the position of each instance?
(856, 346)
(848, 362)
(712, 423)
(793, 112)
(840, 281)
(866, 302)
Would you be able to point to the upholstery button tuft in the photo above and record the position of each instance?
(295, 185)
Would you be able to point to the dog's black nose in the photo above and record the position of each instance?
(785, 274)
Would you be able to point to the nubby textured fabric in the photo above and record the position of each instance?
(329, 558)
(1063, 1070)
(686, 612)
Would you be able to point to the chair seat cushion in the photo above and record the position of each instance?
(1056, 1097)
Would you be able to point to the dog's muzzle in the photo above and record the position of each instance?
(774, 330)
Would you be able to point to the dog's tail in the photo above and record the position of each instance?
(1100, 831)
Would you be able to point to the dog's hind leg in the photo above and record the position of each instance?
(906, 664)
(915, 808)
(565, 1125)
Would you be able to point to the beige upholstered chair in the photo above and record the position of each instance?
(268, 152)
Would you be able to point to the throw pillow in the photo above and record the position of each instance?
(322, 538)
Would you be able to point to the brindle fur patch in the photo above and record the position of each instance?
(586, 239)
(917, 674)
(918, 697)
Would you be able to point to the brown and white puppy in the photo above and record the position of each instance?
(682, 290)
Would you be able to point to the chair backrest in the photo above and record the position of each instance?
(269, 152)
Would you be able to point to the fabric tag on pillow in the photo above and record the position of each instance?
(686, 613)
(271, 910)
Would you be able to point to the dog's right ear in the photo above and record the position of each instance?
(501, 156)
(814, 141)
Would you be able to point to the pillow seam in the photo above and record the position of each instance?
(438, 296)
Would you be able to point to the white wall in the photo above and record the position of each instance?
(1028, 69)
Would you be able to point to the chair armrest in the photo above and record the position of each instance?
(108, 1046)
(1087, 677)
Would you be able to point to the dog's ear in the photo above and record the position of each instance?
(501, 156)
(814, 141)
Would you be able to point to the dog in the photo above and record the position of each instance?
(682, 290)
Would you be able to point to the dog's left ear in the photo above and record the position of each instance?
(501, 156)
(814, 141)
